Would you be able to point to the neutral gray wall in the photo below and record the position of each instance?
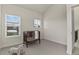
(0, 28)
(27, 17)
(55, 24)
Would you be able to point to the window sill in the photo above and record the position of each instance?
(12, 36)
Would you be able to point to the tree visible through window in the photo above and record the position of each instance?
(12, 25)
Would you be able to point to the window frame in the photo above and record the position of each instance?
(37, 21)
(6, 26)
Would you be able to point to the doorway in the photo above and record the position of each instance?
(75, 18)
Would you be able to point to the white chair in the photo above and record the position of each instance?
(17, 50)
(14, 51)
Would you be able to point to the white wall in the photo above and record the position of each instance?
(55, 24)
(27, 23)
(76, 17)
(0, 28)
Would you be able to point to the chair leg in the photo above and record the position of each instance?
(39, 41)
(27, 45)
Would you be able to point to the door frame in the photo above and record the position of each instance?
(70, 28)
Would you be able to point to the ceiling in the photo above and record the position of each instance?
(36, 7)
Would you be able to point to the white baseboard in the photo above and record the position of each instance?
(57, 42)
(9, 45)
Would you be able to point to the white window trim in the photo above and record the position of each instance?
(36, 24)
(6, 27)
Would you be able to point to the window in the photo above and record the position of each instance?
(12, 25)
(37, 23)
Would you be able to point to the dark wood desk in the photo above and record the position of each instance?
(29, 37)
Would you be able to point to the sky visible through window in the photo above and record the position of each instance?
(13, 25)
(12, 19)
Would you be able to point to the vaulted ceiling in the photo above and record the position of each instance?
(36, 7)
